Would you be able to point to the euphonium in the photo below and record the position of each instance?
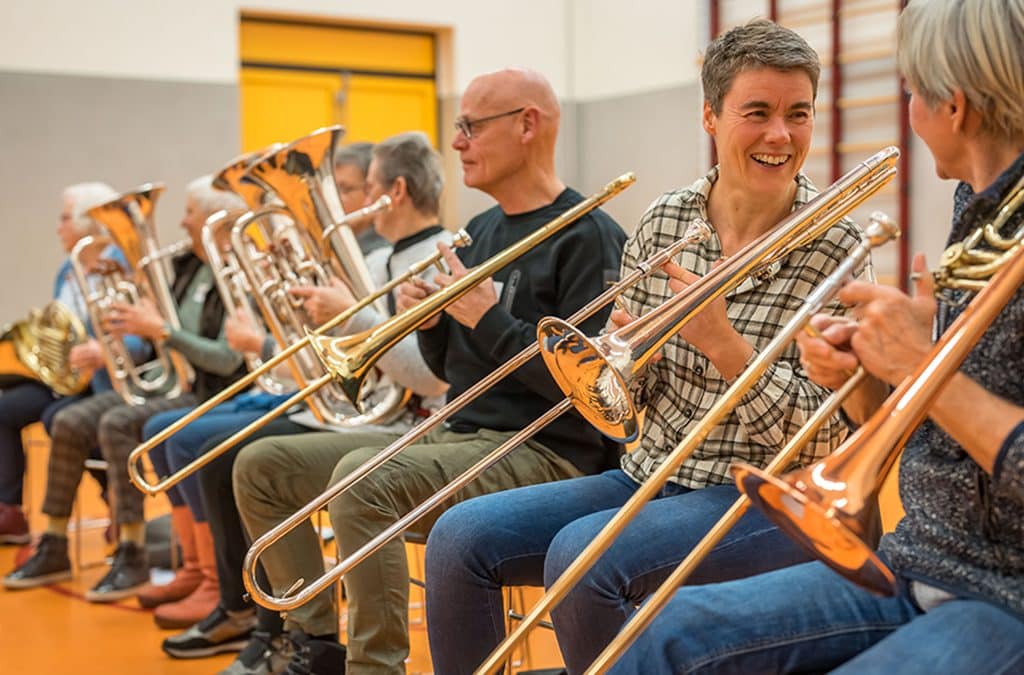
(42, 342)
(128, 221)
(826, 507)
(300, 237)
(234, 287)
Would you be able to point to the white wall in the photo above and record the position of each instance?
(642, 46)
(196, 40)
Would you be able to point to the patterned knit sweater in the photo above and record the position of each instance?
(964, 528)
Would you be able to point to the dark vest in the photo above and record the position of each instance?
(185, 267)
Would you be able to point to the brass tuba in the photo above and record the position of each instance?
(42, 342)
(128, 222)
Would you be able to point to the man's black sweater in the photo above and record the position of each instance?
(554, 279)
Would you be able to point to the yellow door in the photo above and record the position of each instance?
(298, 76)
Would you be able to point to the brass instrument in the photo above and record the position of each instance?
(42, 343)
(300, 237)
(698, 232)
(233, 286)
(350, 367)
(825, 507)
(635, 343)
(878, 232)
(128, 221)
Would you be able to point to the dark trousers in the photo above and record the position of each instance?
(230, 538)
(20, 405)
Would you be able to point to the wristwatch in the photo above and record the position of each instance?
(165, 332)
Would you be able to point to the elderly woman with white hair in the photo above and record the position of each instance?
(106, 419)
(24, 402)
(958, 554)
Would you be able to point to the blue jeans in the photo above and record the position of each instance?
(529, 536)
(183, 447)
(808, 619)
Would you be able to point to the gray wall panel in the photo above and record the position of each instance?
(657, 135)
(60, 130)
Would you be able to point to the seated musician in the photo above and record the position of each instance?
(959, 551)
(24, 402)
(351, 164)
(506, 139)
(760, 82)
(193, 593)
(406, 168)
(116, 426)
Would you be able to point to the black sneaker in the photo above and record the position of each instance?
(48, 565)
(315, 657)
(128, 574)
(264, 655)
(222, 631)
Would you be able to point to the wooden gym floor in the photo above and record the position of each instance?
(54, 631)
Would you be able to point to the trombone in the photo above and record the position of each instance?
(698, 232)
(825, 506)
(348, 359)
(595, 373)
(879, 232)
(636, 342)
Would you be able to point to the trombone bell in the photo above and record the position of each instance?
(809, 508)
(594, 374)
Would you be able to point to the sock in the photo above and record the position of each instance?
(57, 526)
(133, 532)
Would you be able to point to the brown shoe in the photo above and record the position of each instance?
(13, 526)
(188, 576)
(203, 600)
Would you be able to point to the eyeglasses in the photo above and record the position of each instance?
(464, 125)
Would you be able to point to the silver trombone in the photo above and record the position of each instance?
(699, 232)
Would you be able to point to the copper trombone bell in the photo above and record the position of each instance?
(826, 507)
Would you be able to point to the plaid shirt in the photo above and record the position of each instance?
(681, 388)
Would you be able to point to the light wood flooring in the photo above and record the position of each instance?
(53, 630)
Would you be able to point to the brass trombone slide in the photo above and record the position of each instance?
(642, 618)
(348, 359)
(290, 600)
(825, 506)
(135, 458)
(881, 230)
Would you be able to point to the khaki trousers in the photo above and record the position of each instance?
(277, 475)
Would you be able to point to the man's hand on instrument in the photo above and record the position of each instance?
(86, 356)
(243, 335)
(470, 308)
(413, 292)
(893, 333)
(141, 318)
(325, 302)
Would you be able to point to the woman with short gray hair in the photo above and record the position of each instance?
(24, 402)
(958, 553)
